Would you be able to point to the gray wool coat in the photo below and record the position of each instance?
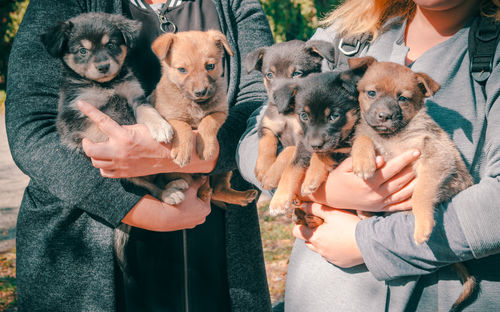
(65, 224)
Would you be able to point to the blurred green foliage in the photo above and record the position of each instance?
(11, 14)
(295, 19)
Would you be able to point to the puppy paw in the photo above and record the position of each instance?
(309, 187)
(205, 193)
(364, 167)
(313, 221)
(160, 130)
(280, 204)
(262, 167)
(181, 155)
(174, 192)
(270, 181)
(423, 231)
(206, 149)
(248, 197)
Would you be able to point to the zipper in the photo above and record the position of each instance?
(186, 284)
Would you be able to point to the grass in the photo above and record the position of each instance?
(8, 294)
(2, 101)
(277, 241)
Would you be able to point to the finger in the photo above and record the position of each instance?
(109, 173)
(302, 232)
(397, 182)
(314, 209)
(401, 206)
(103, 164)
(100, 151)
(312, 247)
(395, 165)
(403, 194)
(103, 121)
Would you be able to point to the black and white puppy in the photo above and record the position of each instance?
(93, 48)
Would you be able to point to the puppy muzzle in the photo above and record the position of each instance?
(384, 116)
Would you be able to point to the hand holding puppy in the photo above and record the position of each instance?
(390, 188)
(131, 151)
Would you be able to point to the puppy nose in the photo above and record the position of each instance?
(384, 116)
(102, 68)
(200, 92)
(317, 144)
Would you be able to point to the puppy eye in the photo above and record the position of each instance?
(334, 116)
(371, 93)
(182, 70)
(269, 75)
(83, 51)
(297, 74)
(403, 98)
(210, 67)
(111, 46)
(304, 116)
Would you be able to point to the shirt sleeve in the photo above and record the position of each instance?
(251, 32)
(467, 225)
(31, 109)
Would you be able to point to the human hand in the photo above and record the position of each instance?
(388, 190)
(154, 215)
(335, 239)
(131, 151)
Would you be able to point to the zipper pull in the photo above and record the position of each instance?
(165, 24)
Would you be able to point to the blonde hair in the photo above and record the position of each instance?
(355, 17)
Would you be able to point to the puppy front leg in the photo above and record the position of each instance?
(160, 129)
(268, 146)
(363, 157)
(317, 173)
(206, 141)
(423, 200)
(273, 175)
(289, 183)
(182, 144)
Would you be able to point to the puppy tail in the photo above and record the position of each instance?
(469, 286)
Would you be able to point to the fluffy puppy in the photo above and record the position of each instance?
(394, 119)
(191, 95)
(328, 111)
(286, 60)
(93, 48)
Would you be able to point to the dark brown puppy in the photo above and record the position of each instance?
(192, 95)
(285, 60)
(394, 119)
(328, 111)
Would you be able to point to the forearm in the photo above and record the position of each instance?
(389, 251)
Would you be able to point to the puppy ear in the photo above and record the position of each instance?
(322, 48)
(253, 60)
(130, 29)
(427, 85)
(162, 45)
(56, 38)
(220, 40)
(361, 64)
(284, 97)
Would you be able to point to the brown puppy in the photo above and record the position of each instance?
(285, 60)
(192, 95)
(394, 119)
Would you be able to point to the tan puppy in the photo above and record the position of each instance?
(394, 119)
(192, 95)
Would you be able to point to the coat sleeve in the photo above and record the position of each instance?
(467, 226)
(251, 30)
(31, 109)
